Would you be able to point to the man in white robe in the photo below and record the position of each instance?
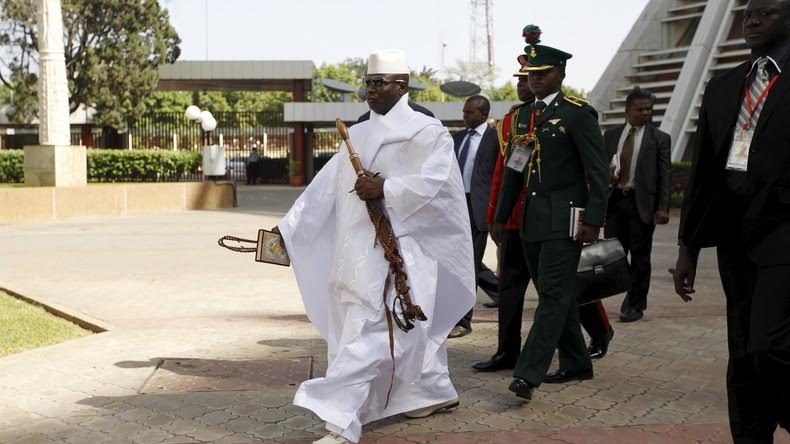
(341, 271)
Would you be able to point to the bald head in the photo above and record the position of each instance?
(766, 25)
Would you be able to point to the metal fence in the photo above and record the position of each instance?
(326, 142)
(238, 132)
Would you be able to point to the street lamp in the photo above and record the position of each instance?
(213, 155)
(206, 120)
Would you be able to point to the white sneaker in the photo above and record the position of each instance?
(430, 410)
(332, 438)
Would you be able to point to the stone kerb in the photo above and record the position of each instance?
(47, 204)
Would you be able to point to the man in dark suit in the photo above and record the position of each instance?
(476, 149)
(738, 200)
(513, 271)
(639, 199)
(563, 164)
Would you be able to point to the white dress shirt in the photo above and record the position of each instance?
(638, 134)
(471, 155)
(548, 99)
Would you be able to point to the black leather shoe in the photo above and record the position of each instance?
(631, 315)
(562, 376)
(599, 346)
(499, 361)
(522, 388)
(492, 304)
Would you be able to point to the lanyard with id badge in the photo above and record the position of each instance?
(526, 151)
(738, 159)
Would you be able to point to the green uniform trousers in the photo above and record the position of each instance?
(552, 264)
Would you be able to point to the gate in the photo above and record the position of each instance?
(238, 131)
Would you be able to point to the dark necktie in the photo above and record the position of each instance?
(463, 153)
(625, 157)
(539, 106)
(760, 82)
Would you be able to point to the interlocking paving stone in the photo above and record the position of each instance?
(662, 381)
(212, 375)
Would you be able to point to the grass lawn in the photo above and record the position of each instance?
(24, 327)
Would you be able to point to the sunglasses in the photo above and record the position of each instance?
(379, 83)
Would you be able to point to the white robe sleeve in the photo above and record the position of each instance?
(308, 230)
(405, 195)
(430, 207)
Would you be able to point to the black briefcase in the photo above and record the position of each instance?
(602, 271)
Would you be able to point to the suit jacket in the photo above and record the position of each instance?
(482, 172)
(652, 181)
(574, 170)
(766, 220)
(506, 130)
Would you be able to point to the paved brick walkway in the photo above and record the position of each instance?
(166, 293)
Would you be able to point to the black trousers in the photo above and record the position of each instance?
(624, 223)
(594, 319)
(479, 240)
(552, 265)
(513, 280)
(758, 335)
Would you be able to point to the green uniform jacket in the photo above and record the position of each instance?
(574, 170)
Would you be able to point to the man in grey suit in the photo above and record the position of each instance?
(476, 149)
(639, 199)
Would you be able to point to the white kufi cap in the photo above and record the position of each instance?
(387, 61)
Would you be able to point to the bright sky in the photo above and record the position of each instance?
(332, 30)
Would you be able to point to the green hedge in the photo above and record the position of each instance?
(107, 165)
(141, 165)
(12, 166)
(680, 177)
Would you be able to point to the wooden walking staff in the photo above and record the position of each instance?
(384, 235)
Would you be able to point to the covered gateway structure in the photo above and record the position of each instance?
(294, 76)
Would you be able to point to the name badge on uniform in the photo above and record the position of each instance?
(738, 158)
(519, 158)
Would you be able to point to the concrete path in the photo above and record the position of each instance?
(205, 345)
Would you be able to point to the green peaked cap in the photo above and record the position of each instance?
(540, 57)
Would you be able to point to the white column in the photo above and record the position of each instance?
(54, 162)
(53, 90)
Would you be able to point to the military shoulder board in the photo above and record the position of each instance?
(578, 101)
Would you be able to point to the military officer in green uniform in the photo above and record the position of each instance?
(559, 158)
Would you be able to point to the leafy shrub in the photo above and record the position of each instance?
(140, 165)
(680, 178)
(12, 166)
(108, 165)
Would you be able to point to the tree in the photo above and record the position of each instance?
(571, 91)
(113, 49)
(506, 92)
(350, 70)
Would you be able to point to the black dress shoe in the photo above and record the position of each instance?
(492, 304)
(499, 361)
(522, 388)
(599, 346)
(562, 376)
(631, 315)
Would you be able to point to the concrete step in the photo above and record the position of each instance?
(653, 73)
(662, 52)
(663, 62)
(682, 17)
(651, 85)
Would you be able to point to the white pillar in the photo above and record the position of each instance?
(54, 162)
